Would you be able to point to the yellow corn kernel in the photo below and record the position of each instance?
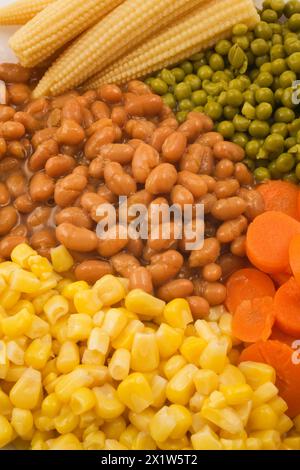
(94, 441)
(9, 298)
(206, 381)
(119, 364)
(262, 418)
(174, 444)
(177, 313)
(162, 424)
(128, 436)
(22, 421)
(169, 340)
(214, 356)
(16, 325)
(82, 400)
(173, 365)
(39, 301)
(26, 391)
(292, 443)
(257, 373)
(196, 402)
(55, 308)
(253, 443)
(39, 265)
(6, 432)
(159, 386)
(244, 411)
(98, 318)
(3, 353)
(284, 424)
(38, 353)
(51, 406)
(38, 440)
(278, 405)
(3, 284)
(125, 339)
(87, 301)
(98, 341)
(183, 420)
(206, 439)
(46, 285)
(108, 402)
(112, 444)
(21, 253)
(144, 353)
(225, 418)
(143, 441)
(22, 303)
(142, 420)
(140, 302)
(62, 284)
(216, 400)
(205, 331)
(92, 358)
(231, 375)
(14, 373)
(233, 444)
(38, 327)
(113, 429)
(181, 387)
(236, 394)
(65, 442)
(135, 392)
(24, 281)
(114, 322)
(68, 357)
(66, 421)
(79, 326)
(70, 290)
(191, 349)
(296, 422)
(98, 373)
(270, 440)
(5, 404)
(61, 259)
(71, 382)
(264, 393)
(87, 422)
(14, 353)
(110, 290)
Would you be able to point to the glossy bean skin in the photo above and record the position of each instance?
(232, 229)
(16, 184)
(119, 116)
(135, 247)
(110, 93)
(43, 135)
(179, 288)
(111, 245)
(230, 208)
(212, 272)
(174, 147)
(228, 150)
(145, 158)
(243, 175)
(91, 271)
(230, 263)
(210, 139)
(72, 110)
(76, 238)
(8, 243)
(163, 267)
(18, 93)
(96, 168)
(207, 254)
(159, 137)
(224, 169)
(119, 153)
(6, 113)
(208, 201)
(181, 196)
(196, 184)
(8, 219)
(70, 133)
(75, 216)
(43, 241)
(146, 105)
(254, 202)
(59, 165)
(41, 187)
(42, 154)
(142, 130)
(39, 216)
(226, 188)
(124, 264)
(191, 128)
(3, 147)
(4, 195)
(12, 130)
(140, 278)
(238, 246)
(24, 204)
(97, 140)
(199, 307)
(118, 181)
(162, 179)
(14, 73)
(214, 293)
(100, 110)
(29, 122)
(69, 188)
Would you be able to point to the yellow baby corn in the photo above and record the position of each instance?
(180, 40)
(22, 11)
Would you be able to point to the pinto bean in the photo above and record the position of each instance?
(100, 110)
(76, 238)
(14, 73)
(41, 187)
(8, 243)
(174, 147)
(161, 179)
(214, 293)
(210, 139)
(165, 266)
(230, 208)
(75, 216)
(24, 204)
(144, 160)
(72, 111)
(16, 184)
(228, 150)
(120, 153)
(100, 138)
(42, 154)
(70, 133)
(254, 202)
(226, 188)
(146, 105)
(92, 270)
(208, 254)
(8, 219)
(59, 165)
(118, 181)
(232, 229)
(194, 183)
(179, 288)
(199, 307)
(140, 278)
(124, 264)
(68, 189)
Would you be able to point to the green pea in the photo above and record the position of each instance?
(294, 128)
(194, 81)
(216, 62)
(259, 47)
(278, 5)
(252, 148)
(168, 77)
(199, 97)
(240, 139)
(178, 74)
(294, 22)
(249, 97)
(264, 111)
(213, 110)
(287, 98)
(212, 89)
(250, 57)
(274, 143)
(284, 115)
(263, 31)
(297, 171)
(198, 64)
(267, 67)
(226, 128)
(234, 97)
(264, 95)
(197, 56)
(245, 80)
(253, 74)
(249, 163)
(291, 178)
(240, 29)
(182, 91)
(219, 76)
(276, 39)
(249, 111)
(275, 174)
(199, 109)
(262, 156)
(169, 100)
(287, 78)
(277, 52)
(270, 16)
(181, 116)
(280, 128)
(291, 7)
(259, 61)
(241, 123)
(159, 86)
(264, 79)
(242, 42)
(230, 112)
(278, 95)
(187, 67)
(276, 28)
(259, 129)
(223, 47)
(205, 72)
(278, 66)
(185, 105)
(222, 99)
(290, 142)
(262, 174)
(294, 62)
(292, 45)
(266, 4)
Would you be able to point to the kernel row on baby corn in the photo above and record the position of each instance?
(102, 368)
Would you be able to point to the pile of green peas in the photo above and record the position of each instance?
(247, 85)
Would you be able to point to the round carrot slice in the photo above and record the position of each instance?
(294, 254)
(280, 196)
(247, 284)
(284, 360)
(279, 335)
(287, 308)
(253, 320)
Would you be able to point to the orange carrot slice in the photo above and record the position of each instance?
(280, 278)
(280, 196)
(282, 358)
(247, 284)
(268, 240)
(253, 320)
(294, 254)
(279, 335)
(287, 308)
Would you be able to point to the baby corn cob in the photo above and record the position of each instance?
(124, 28)
(196, 31)
(22, 11)
(55, 26)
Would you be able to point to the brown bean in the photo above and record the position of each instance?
(119, 116)
(224, 169)
(142, 130)
(243, 175)
(232, 229)
(166, 238)
(215, 293)
(198, 159)
(120, 153)
(81, 170)
(72, 111)
(98, 126)
(102, 137)
(75, 216)
(76, 238)
(68, 189)
(60, 101)
(140, 197)
(18, 93)
(110, 93)
(208, 201)
(4, 195)
(38, 107)
(59, 165)
(8, 243)
(24, 204)
(12, 130)
(70, 133)
(138, 87)
(90, 200)
(54, 118)
(165, 266)
(212, 272)
(140, 278)
(191, 128)
(143, 105)
(161, 212)
(88, 98)
(226, 188)
(145, 158)
(111, 245)
(87, 118)
(230, 208)
(210, 139)
(29, 122)
(8, 219)
(42, 154)
(117, 180)
(9, 164)
(254, 201)
(14, 73)
(194, 183)
(20, 230)
(100, 110)
(179, 288)
(238, 246)
(39, 216)
(207, 254)
(199, 307)
(91, 271)
(210, 182)
(16, 184)
(230, 263)
(43, 135)
(96, 168)
(159, 137)
(181, 196)
(6, 113)
(16, 149)
(170, 122)
(43, 240)
(124, 264)
(205, 121)
(161, 179)
(41, 187)
(107, 194)
(228, 150)
(174, 147)
(3, 147)
(135, 247)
